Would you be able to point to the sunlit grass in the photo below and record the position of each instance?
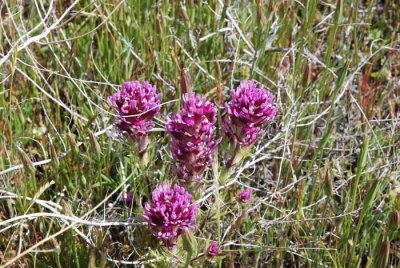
(325, 177)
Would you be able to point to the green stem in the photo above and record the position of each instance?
(235, 159)
(144, 160)
(224, 175)
(227, 170)
(188, 259)
(143, 155)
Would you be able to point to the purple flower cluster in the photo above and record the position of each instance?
(248, 110)
(136, 105)
(245, 196)
(127, 198)
(213, 249)
(193, 136)
(170, 213)
(193, 143)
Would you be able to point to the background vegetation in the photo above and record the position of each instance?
(325, 177)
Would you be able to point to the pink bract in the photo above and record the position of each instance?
(171, 212)
(136, 106)
(249, 109)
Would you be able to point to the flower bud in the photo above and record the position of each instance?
(245, 196)
(213, 249)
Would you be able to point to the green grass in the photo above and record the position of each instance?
(325, 177)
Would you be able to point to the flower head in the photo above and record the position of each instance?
(245, 196)
(170, 213)
(213, 249)
(193, 136)
(249, 109)
(136, 105)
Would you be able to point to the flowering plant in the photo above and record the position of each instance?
(245, 196)
(192, 131)
(249, 109)
(213, 249)
(171, 212)
(136, 105)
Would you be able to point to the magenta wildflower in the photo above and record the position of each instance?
(249, 109)
(213, 249)
(170, 213)
(136, 105)
(245, 196)
(127, 198)
(193, 136)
